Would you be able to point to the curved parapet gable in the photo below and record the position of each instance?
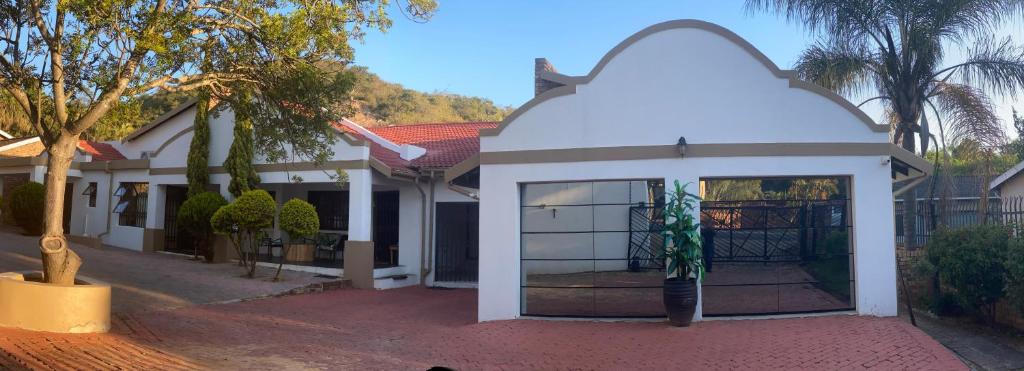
(682, 78)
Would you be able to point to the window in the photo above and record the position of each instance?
(332, 208)
(132, 204)
(91, 192)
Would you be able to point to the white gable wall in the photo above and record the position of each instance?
(698, 81)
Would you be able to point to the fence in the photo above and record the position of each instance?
(958, 212)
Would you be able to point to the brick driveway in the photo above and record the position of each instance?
(415, 328)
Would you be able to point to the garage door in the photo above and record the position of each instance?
(586, 248)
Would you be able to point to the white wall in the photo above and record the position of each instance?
(684, 81)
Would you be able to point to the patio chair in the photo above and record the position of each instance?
(270, 244)
(327, 244)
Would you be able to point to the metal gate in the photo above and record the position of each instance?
(457, 242)
(785, 256)
(385, 228)
(176, 239)
(646, 223)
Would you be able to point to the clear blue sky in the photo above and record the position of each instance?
(486, 48)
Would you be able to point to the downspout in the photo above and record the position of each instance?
(110, 194)
(430, 231)
(423, 229)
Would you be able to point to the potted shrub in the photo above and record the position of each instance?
(194, 216)
(27, 207)
(684, 256)
(299, 220)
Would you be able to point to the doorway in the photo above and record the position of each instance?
(458, 242)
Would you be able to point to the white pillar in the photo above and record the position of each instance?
(360, 201)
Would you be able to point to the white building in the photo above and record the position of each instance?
(569, 188)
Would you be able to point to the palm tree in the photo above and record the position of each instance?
(892, 52)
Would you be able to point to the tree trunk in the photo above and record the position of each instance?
(60, 264)
(909, 203)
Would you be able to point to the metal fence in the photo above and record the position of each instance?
(959, 212)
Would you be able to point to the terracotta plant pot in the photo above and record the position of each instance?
(28, 304)
(680, 298)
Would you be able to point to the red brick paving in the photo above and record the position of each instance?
(415, 328)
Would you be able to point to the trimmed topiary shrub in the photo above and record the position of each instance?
(298, 218)
(194, 216)
(970, 261)
(243, 221)
(26, 205)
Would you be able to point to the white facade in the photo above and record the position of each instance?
(741, 117)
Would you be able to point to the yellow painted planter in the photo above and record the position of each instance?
(28, 304)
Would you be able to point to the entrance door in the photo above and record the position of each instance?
(176, 239)
(385, 228)
(457, 242)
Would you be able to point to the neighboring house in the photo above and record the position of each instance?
(958, 208)
(1009, 184)
(561, 183)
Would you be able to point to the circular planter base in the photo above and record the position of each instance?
(28, 304)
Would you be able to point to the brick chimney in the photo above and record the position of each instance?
(540, 85)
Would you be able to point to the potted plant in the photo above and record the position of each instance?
(299, 220)
(684, 256)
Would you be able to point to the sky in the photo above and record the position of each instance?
(487, 48)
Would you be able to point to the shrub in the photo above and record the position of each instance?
(223, 220)
(27, 207)
(299, 219)
(194, 216)
(254, 210)
(1015, 273)
(970, 261)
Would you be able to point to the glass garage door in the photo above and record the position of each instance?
(588, 248)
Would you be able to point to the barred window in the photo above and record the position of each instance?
(91, 192)
(132, 204)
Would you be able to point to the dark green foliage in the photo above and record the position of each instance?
(194, 216)
(299, 219)
(240, 156)
(970, 261)
(27, 207)
(682, 235)
(1015, 273)
(199, 150)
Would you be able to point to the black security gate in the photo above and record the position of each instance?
(385, 228)
(176, 239)
(777, 256)
(457, 242)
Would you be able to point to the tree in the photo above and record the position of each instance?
(239, 161)
(68, 63)
(199, 149)
(893, 51)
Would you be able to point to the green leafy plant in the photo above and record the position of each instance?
(194, 216)
(27, 207)
(298, 218)
(243, 221)
(1015, 273)
(970, 261)
(682, 235)
(199, 149)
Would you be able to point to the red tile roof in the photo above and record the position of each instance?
(447, 144)
(100, 151)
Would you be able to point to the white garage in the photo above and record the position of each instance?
(570, 186)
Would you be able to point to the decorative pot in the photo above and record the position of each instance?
(28, 304)
(680, 298)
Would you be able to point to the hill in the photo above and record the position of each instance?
(373, 102)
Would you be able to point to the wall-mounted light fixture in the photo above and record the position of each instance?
(681, 145)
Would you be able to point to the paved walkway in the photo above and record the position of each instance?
(416, 328)
(154, 281)
(981, 349)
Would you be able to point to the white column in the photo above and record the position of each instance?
(360, 201)
(154, 206)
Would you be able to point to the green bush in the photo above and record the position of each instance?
(970, 261)
(299, 219)
(223, 220)
(194, 216)
(27, 207)
(254, 210)
(1015, 273)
